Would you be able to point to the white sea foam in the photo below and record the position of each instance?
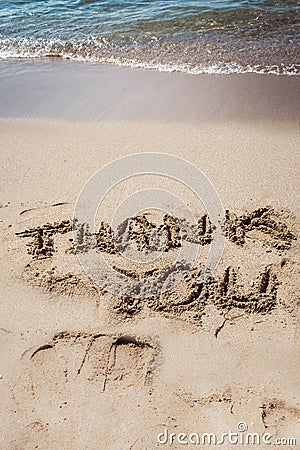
(163, 58)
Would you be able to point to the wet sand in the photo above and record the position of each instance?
(83, 368)
(66, 90)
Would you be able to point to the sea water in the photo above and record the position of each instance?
(195, 36)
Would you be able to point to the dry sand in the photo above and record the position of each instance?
(84, 369)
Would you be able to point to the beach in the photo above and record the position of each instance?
(84, 368)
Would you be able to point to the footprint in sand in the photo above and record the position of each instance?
(109, 362)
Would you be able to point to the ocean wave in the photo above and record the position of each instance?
(186, 57)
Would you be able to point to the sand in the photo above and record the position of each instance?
(82, 368)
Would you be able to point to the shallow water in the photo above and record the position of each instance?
(189, 36)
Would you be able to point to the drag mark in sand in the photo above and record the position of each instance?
(24, 211)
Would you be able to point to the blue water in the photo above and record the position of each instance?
(193, 36)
